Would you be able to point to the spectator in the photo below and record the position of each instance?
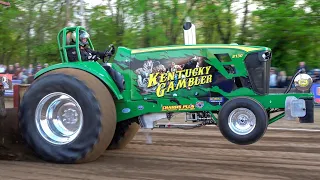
(39, 67)
(23, 75)
(16, 66)
(10, 70)
(30, 69)
(302, 65)
(2, 69)
(273, 79)
(316, 77)
(30, 78)
(17, 73)
(282, 80)
(45, 65)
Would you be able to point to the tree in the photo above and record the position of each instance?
(285, 28)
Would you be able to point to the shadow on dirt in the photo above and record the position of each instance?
(12, 146)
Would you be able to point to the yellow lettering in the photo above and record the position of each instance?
(200, 72)
(178, 107)
(203, 79)
(160, 90)
(185, 78)
(195, 71)
(171, 86)
(190, 82)
(170, 76)
(197, 81)
(181, 84)
(188, 73)
(207, 69)
(162, 78)
(180, 74)
(209, 78)
(153, 79)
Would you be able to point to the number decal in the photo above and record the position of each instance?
(237, 56)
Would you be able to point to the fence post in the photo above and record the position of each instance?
(3, 112)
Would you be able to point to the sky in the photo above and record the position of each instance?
(94, 2)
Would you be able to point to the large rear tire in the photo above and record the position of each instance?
(86, 113)
(125, 132)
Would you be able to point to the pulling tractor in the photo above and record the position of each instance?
(74, 111)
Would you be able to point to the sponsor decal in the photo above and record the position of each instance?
(126, 110)
(178, 107)
(172, 81)
(164, 77)
(318, 91)
(237, 56)
(6, 80)
(216, 99)
(303, 82)
(200, 104)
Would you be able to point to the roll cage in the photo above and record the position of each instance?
(64, 42)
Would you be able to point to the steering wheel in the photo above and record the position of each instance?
(109, 52)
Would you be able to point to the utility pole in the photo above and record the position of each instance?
(67, 13)
(83, 19)
(5, 3)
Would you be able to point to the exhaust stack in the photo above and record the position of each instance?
(189, 31)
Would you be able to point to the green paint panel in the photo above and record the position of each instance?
(92, 67)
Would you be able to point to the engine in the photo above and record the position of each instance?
(203, 116)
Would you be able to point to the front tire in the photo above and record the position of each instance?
(243, 120)
(77, 126)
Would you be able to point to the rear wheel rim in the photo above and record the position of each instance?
(242, 121)
(59, 118)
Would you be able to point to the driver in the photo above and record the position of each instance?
(88, 54)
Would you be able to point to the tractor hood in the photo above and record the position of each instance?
(247, 49)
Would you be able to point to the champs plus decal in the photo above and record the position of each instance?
(178, 107)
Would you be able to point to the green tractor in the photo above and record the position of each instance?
(74, 111)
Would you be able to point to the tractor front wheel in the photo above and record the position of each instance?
(242, 120)
(68, 116)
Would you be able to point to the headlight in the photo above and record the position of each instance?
(303, 82)
(265, 56)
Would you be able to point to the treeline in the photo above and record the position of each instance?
(28, 29)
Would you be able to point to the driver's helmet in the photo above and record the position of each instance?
(83, 38)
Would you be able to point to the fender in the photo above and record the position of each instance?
(93, 68)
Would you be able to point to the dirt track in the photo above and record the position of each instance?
(190, 154)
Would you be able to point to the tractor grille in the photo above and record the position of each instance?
(258, 67)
